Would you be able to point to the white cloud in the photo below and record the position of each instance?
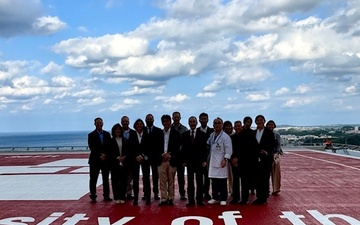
(186, 8)
(48, 25)
(28, 81)
(26, 108)
(234, 76)
(3, 99)
(126, 104)
(87, 92)
(29, 86)
(233, 106)
(51, 68)
(173, 99)
(63, 81)
(166, 65)
(298, 102)
(213, 87)
(138, 91)
(82, 29)
(259, 48)
(144, 83)
(10, 69)
(254, 97)
(178, 98)
(351, 89)
(205, 95)
(129, 101)
(302, 89)
(115, 80)
(282, 91)
(94, 51)
(91, 102)
(48, 101)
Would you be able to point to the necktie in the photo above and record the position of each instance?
(192, 137)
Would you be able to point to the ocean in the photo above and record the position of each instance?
(62, 141)
(36, 141)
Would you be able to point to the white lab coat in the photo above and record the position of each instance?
(220, 148)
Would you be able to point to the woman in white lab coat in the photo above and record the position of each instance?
(220, 153)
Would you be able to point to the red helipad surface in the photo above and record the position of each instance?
(43, 189)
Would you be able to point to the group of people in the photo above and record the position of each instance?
(229, 158)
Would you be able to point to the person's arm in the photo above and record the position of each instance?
(278, 143)
(227, 145)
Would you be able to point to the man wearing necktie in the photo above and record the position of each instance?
(194, 157)
(203, 120)
(154, 144)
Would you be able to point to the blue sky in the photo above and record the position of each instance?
(63, 63)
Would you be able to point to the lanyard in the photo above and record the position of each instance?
(215, 139)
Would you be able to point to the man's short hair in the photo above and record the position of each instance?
(165, 117)
(204, 114)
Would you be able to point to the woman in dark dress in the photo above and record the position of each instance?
(117, 155)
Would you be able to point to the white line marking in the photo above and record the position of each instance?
(327, 161)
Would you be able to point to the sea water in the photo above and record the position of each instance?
(34, 140)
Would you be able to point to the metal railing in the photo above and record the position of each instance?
(321, 145)
(344, 147)
(44, 149)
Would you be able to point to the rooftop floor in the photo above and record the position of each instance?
(317, 188)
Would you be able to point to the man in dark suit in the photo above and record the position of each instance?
(167, 159)
(180, 169)
(266, 144)
(153, 145)
(245, 144)
(98, 140)
(204, 119)
(234, 162)
(129, 137)
(194, 157)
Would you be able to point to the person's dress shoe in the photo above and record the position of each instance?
(93, 200)
(234, 201)
(157, 197)
(129, 196)
(207, 196)
(182, 197)
(107, 199)
(190, 204)
(162, 203)
(200, 203)
(276, 192)
(135, 202)
(147, 202)
(259, 202)
(143, 197)
(242, 202)
(170, 202)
